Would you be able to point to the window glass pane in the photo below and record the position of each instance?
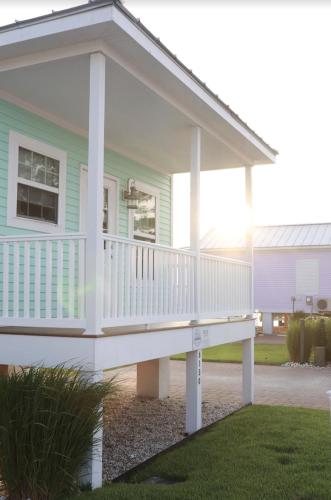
(22, 200)
(38, 168)
(145, 218)
(37, 203)
(24, 163)
(24, 156)
(38, 172)
(52, 172)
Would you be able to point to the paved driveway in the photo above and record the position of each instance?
(274, 385)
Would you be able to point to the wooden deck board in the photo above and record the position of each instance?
(113, 331)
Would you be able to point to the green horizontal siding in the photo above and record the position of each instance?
(25, 122)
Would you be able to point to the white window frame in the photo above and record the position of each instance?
(152, 191)
(17, 140)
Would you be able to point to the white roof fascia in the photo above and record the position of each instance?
(154, 50)
(57, 25)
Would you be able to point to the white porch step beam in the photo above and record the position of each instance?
(193, 391)
(94, 241)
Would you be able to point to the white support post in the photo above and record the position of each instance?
(193, 391)
(153, 378)
(94, 241)
(195, 213)
(250, 227)
(91, 473)
(267, 323)
(248, 371)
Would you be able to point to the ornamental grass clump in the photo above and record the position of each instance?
(293, 340)
(48, 418)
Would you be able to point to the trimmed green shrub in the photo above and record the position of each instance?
(293, 340)
(48, 418)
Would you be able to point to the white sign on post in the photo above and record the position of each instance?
(200, 338)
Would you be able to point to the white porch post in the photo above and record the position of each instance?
(193, 358)
(250, 227)
(248, 344)
(193, 391)
(248, 371)
(94, 242)
(195, 213)
(91, 473)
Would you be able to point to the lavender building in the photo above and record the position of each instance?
(292, 267)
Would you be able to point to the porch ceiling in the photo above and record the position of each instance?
(149, 109)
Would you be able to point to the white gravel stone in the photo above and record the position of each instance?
(292, 364)
(137, 429)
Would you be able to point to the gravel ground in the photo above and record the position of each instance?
(136, 429)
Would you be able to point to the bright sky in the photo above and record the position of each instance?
(270, 61)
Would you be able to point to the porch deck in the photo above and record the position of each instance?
(116, 331)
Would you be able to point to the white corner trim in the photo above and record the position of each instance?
(15, 140)
(153, 191)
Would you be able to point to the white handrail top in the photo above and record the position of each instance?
(225, 259)
(153, 246)
(42, 237)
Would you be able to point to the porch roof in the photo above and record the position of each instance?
(152, 98)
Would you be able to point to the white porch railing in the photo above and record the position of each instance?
(145, 282)
(42, 282)
(225, 287)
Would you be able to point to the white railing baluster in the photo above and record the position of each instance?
(5, 279)
(16, 279)
(81, 279)
(127, 308)
(59, 277)
(71, 280)
(26, 298)
(37, 272)
(48, 292)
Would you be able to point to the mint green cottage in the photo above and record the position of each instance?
(96, 115)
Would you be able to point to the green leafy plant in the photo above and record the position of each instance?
(48, 418)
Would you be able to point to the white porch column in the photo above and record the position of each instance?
(94, 242)
(267, 323)
(195, 213)
(91, 473)
(250, 227)
(248, 371)
(193, 391)
(153, 378)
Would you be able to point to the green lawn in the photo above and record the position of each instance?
(265, 354)
(258, 453)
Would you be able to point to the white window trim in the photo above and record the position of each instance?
(148, 189)
(15, 141)
(82, 204)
